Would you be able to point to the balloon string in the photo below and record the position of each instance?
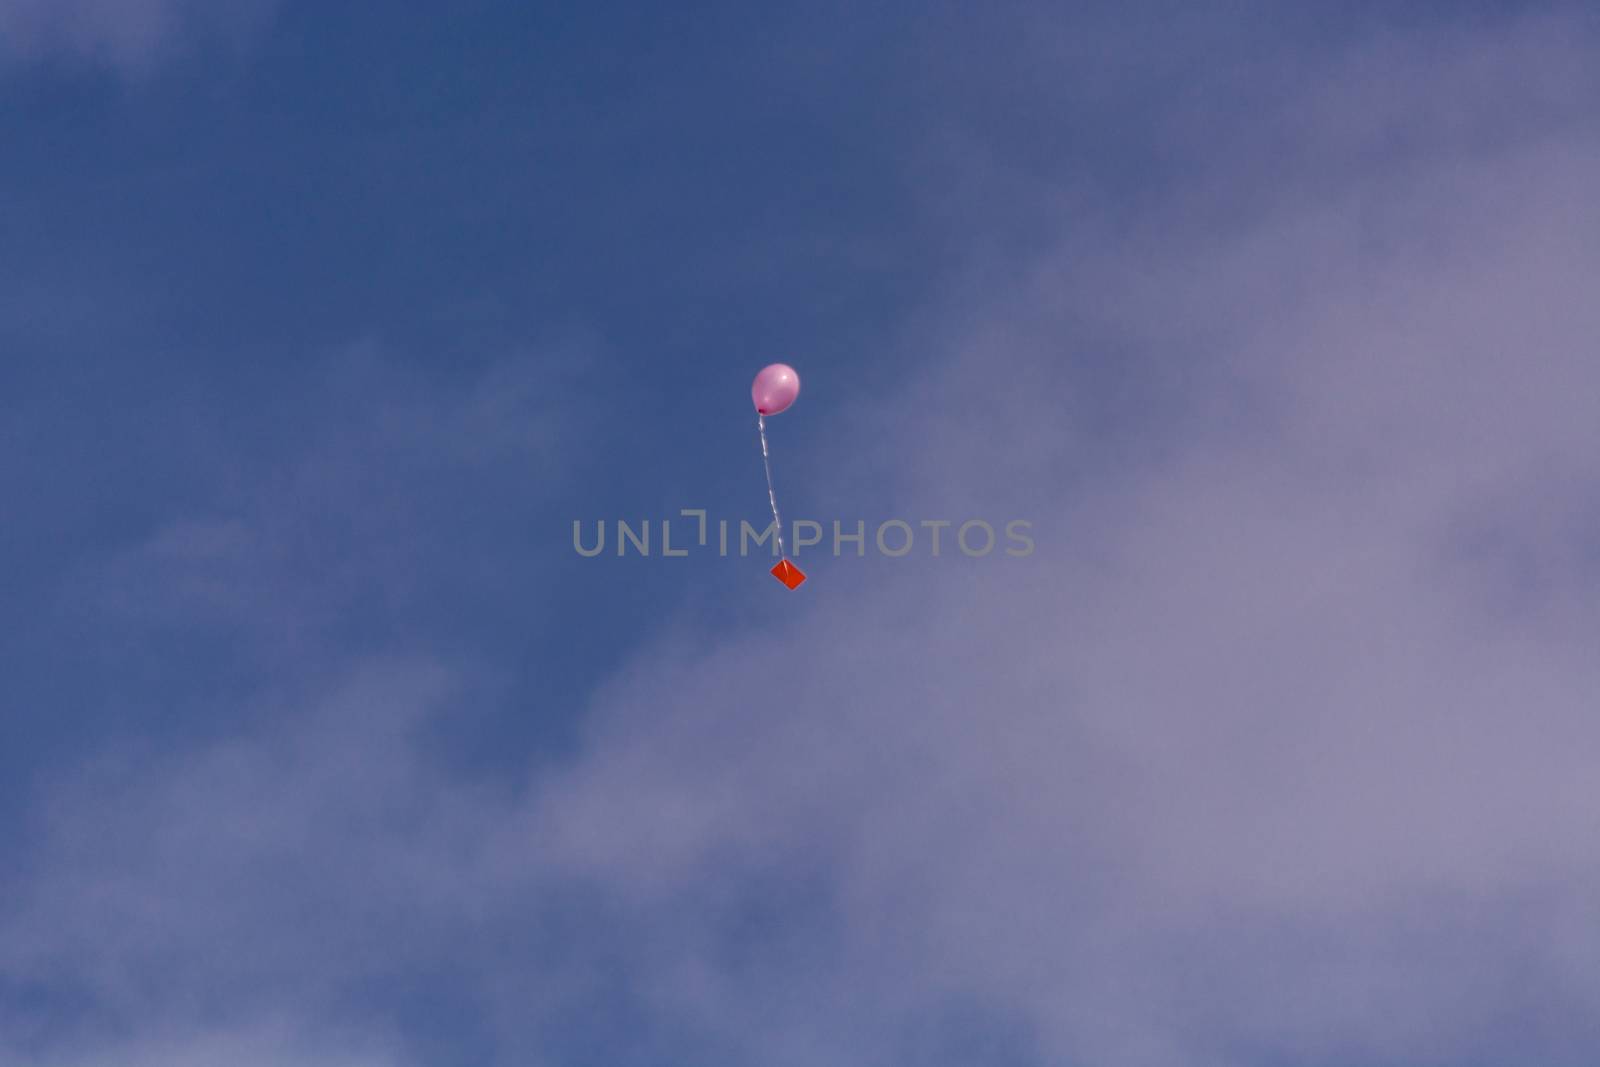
(772, 497)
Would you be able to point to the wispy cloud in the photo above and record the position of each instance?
(345, 510)
(128, 35)
(1281, 747)
(254, 1045)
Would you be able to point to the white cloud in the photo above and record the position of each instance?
(1273, 750)
(1274, 746)
(255, 1045)
(339, 514)
(129, 35)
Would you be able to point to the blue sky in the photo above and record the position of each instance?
(322, 325)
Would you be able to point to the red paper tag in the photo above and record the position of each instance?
(788, 574)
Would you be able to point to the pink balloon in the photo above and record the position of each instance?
(775, 389)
